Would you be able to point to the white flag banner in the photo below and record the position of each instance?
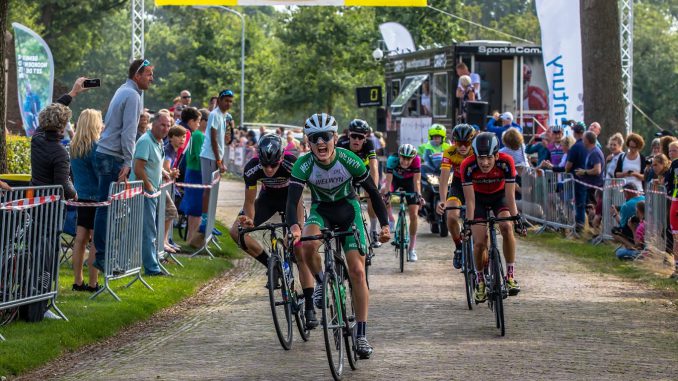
(561, 47)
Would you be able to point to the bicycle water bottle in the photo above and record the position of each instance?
(286, 271)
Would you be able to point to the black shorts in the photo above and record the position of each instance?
(456, 191)
(407, 185)
(494, 201)
(267, 205)
(86, 215)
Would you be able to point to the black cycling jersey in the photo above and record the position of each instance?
(365, 154)
(279, 182)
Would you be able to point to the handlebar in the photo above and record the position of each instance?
(493, 220)
(327, 233)
(268, 226)
(462, 207)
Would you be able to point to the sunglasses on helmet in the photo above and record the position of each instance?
(326, 136)
(143, 65)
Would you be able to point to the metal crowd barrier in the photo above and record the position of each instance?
(532, 196)
(210, 238)
(166, 190)
(613, 194)
(124, 235)
(656, 207)
(31, 220)
(548, 199)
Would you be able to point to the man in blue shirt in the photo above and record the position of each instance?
(506, 123)
(576, 159)
(148, 160)
(115, 148)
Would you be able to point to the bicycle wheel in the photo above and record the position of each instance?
(469, 271)
(280, 303)
(497, 291)
(299, 309)
(333, 326)
(401, 243)
(348, 315)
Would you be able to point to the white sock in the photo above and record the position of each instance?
(374, 224)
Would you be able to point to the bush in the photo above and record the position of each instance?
(18, 154)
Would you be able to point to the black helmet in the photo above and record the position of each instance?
(359, 126)
(486, 144)
(462, 133)
(270, 149)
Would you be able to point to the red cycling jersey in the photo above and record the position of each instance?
(504, 171)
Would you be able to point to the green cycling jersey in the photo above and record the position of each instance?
(421, 150)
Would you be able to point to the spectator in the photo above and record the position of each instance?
(671, 183)
(555, 147)
(655, 147)
(660, 166)
(176, 139)
(566, 142)
(142, 127)
(50, 164)
(656, 150)
(614, 144)
(177, 114)
(292, 146)
(631, 165)
(462, 70)
(213, 146)
(631, 250)
(280, 132)
(191, 203)
(493, 120)
(83, 148)
(595, 128)
(148, 161)
(506, 123)
(185, 98)
(114, 152)
(190, 119)
(467, 94)
(515, 147)
(539, 145)
(213, 104)
(664, 142)
(426, 98)
(5, 186)
(576, 157)
(624, 213)
(592, 172)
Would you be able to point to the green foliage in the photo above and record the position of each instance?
(18, 154)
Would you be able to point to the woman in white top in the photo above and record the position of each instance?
(631, 165)
(614, 144)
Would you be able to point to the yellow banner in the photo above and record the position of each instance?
(364, 3)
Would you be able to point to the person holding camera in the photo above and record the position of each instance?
(631, 165)
(623, 214)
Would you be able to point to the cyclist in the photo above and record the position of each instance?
(330, 173)
(357, 142)
(403, 170)
(488, 179)
(462, 136)
(431, 152)
(273, 168)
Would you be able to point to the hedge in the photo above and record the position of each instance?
(18, 154)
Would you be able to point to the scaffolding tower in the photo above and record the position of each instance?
(626, 35)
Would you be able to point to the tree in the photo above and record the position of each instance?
(4, 9)
(601, 64)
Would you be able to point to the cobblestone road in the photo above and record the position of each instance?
(567, 323)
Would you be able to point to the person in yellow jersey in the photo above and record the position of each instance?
(462, 137)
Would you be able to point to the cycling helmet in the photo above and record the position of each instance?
(407, 150)
(436, 130)
(270, 149)
(320, 123)
(462, 133)
(557, 128)
(359, 126)
(486, 144)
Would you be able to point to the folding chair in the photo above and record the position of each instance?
(67, 236)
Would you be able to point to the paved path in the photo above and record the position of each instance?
(568, 323)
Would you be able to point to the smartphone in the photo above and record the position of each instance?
(94, 82)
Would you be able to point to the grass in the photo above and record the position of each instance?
(30, 345)
(601, 258)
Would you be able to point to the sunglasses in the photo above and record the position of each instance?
(326, 136)
(271, 166)
(462, 144)
(186, 96)
(143, 65)
(356, 136)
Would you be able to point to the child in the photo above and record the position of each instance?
(637, 225)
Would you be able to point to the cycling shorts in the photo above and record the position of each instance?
(673, 217)
(407, 185)
(494, 201)
(456, 191)
(267, 205)
(340, 215)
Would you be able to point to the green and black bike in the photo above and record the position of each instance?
(285, 301)
(468, 266)
(401, 239)
(338, 311)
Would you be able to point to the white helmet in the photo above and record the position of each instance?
(320, 123)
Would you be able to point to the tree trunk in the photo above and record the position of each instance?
(4, 8)
(601, 63)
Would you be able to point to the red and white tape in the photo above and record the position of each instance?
(27, 203)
